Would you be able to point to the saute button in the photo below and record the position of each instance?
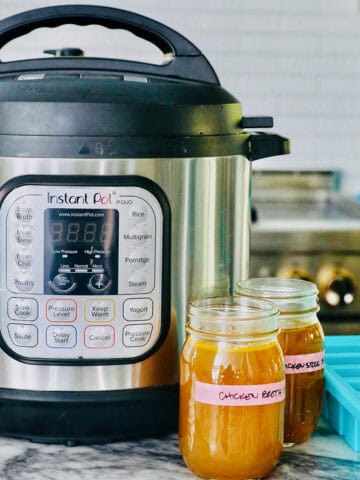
(99, 310)
(23, 335)
(23, 235)
(22, 308)
(137, 335)
(24, 282)
(99, 336)
(64, 310)
(61, 336)
(138, 309)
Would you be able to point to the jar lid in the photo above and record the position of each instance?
(289, 294)
(233, 316)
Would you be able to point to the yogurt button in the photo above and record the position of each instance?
(140, 309)
(23, 335)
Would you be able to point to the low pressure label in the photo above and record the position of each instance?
(240, 395)
(310, 362)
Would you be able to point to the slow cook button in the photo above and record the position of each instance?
(22, 308)
(99, 310)
(61, 336)
(137, 335)
(99, 336)
(138, 309)
(23, 335)
(64, 310)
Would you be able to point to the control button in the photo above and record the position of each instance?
(99, 282)
(99, 336)
(138, 212)
(138, 281)
(63, 284)
(137, 335)
(64, 310)
(138, 309)
(23, 235)
(61, 336)
(137, 258)
(22, 308)
(99, 310)
(24, 282)
(24, 260)
(23, 335)
(138, 235)
(24, 214)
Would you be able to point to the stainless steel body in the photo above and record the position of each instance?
(209, 200)
(306, 229)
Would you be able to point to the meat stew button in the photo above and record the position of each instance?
(99, 336)
(23, 335)
(137, 335)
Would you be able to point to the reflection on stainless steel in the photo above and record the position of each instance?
(306, 229)
(209, 199)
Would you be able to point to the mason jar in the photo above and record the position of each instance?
(302, 340)
(232, 389)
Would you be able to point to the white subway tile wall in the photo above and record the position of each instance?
(296, 60)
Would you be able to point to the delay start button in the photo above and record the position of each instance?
(61, 310)
(61, 336)
(99, 336)
(137, 335)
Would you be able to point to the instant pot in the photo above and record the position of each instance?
(124, 194)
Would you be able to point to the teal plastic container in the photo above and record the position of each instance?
(342, 387)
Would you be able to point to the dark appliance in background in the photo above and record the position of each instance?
(305, 228)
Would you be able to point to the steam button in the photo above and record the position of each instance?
(99, 282)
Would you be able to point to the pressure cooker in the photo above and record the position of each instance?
(124, 194)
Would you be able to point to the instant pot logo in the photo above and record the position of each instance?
(86, 199)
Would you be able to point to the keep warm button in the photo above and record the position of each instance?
(137, 335)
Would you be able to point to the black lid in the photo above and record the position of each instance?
(68, 106)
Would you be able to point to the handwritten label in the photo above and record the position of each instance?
(310, 362)
(239, 395)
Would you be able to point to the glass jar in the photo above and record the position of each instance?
(232, 389)
(302, 340)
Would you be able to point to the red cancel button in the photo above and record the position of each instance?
(99, 336)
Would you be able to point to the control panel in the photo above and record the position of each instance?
(81, 271)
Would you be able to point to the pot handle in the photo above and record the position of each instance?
(263, 145)
(187, 62)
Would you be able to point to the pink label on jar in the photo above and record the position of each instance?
(239, 395)
(309, 362)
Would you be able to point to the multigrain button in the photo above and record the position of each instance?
(62, 310)
(99, 336)
(99, 310)
(61, 336)
(138, 236)
(140, 309)
(22, 308)
(23, 335)
(137, 335)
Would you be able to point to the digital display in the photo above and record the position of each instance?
(81, 251)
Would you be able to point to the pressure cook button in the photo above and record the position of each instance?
(24, 214)
(22, 308)
(63, 284)
(99, 310)
(99, 336)
(61, 336)
(138, 309)
(138, 212)
(99, 283)
(24, 282)
(137, 335)
(23, 335)
(24, 260)
(64, 310)
(23, 235)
